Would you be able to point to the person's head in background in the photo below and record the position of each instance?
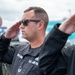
(0, 21)
(34, 23)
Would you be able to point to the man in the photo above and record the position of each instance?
(0, 21)
(24, 57)
(1, 63)
(53, 61)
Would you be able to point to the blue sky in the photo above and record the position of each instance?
(12, 10)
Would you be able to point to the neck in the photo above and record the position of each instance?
(37, 43)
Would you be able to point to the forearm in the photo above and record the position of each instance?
(4, 43)
(6, 51)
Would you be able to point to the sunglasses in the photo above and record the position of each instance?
(25, 22)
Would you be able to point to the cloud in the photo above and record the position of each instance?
(12, 10)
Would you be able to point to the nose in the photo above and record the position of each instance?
(21, 26)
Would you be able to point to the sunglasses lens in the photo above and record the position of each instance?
(25, 23)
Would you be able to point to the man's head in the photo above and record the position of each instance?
(40, 13)
(34, 22)
(0, 21)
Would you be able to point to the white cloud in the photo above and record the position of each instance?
(12, 10)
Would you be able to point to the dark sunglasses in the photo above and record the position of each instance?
(25, 22)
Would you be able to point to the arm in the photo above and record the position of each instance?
(53, 44)
(50, 53)
(7, 51)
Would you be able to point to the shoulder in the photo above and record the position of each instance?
(24, 46)
(21, 45)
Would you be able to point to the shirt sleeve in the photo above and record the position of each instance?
(52, 46)
(6, 51)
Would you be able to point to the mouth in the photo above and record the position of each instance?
(23, 32)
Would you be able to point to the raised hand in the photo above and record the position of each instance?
(68, 26)
(12, 32)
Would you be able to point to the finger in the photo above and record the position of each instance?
(72, 18)
(17, 24)
(14, 26)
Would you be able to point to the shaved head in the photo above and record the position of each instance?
(0, 21)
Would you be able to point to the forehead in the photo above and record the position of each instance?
(28, 15)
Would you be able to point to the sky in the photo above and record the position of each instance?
(12, 10)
